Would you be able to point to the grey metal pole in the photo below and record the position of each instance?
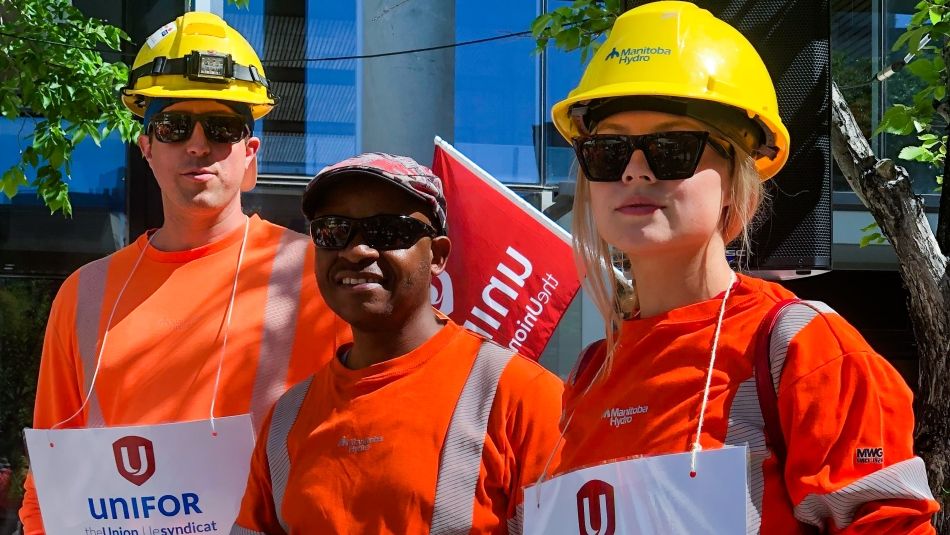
(407, 99)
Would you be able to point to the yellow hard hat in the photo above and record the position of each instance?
(198, 56)
(682, 53)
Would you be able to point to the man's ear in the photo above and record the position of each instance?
(251, 147)
(145, 145)
(441, 247)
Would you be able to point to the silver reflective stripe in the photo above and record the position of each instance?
(791, 322)
(89, 296)
(905, 480)
(238, 530)
(461, 457)
(280, 324)
(746, 427)
(516, 523)
(278, 457)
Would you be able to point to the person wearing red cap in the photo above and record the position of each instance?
(419, 426)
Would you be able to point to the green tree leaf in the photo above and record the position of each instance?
(540, 24)
(919, 154)
(935, 15)
(874, 238)
(59, 80)
(924, 69)
(568, 39)
(897, 120)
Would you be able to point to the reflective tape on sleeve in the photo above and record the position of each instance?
(787, 326)
(906, 480)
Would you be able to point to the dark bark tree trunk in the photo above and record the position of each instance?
(885, 188)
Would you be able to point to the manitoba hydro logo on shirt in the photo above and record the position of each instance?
(171, 479)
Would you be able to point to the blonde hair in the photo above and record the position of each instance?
(616, 299)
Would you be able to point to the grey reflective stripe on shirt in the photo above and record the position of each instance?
(905, 480)
(461, 457)
(787, 326)
(516, 523)
(746, 424)
(238, 530)
(278, 456)
(90, 293)
(746, 427)
(280, 324)
(277, 339)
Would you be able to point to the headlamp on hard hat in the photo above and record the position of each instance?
(209, 67)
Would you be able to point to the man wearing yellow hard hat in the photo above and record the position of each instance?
(191, 332)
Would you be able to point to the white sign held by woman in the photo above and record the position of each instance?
(647, 496)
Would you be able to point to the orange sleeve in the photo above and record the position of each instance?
(532, 430)
(258, 513)
(30, 510)
(848, 422)
(58, 390)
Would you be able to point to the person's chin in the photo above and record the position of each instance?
(644, 244)
(208, 201)
(366, 316)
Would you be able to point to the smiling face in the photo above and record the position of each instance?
(642, 215)
(376, 290)
(198, 176)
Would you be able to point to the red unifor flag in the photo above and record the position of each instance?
(510, 275)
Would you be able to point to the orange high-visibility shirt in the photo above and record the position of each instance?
(838, 403)
(165, 341)
(364, 451)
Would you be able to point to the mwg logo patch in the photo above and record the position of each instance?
(869, 455)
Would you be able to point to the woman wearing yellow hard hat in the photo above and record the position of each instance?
(718, 403)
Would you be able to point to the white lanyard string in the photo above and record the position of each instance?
(227, 325)
(115, 306)
(697, 447)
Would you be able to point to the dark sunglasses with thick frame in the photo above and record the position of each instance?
(383, 232)
(671, 155)
(178, 126)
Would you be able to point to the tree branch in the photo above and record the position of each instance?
(885, 188)
(943, 217)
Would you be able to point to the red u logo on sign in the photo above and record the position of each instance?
(595, 508)
(134, 458)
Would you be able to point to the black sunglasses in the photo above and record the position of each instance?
(177, 126)
(671, 155)
(383, 232)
